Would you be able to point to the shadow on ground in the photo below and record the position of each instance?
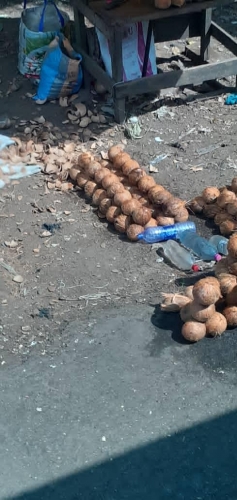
(195, 464)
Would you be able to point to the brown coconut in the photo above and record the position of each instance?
(230, 314)
(206, 292)
(133, 231)
(193, 331)
(210, 194)
(201, 313)
(227, 283)
(185, 313)
(216, 325)
(232, 246)
(196, 205)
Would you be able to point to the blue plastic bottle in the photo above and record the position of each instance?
(200, 246)
(164, 233)
(220, 243)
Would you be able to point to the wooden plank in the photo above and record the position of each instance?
(190, 76)
(91, 16)
(206, 18)
(132, 11)
(96, 71)
(224, 38)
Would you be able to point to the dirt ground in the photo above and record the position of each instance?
(85, 266)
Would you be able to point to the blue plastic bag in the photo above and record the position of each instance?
(61, 72)
(38, 27)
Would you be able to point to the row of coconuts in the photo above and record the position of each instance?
(210, 306)
(219, 205)
(124, 194)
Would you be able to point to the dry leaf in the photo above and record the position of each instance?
(45, 234)
(11, 244)
(18, 278)
(63, 101)
(153, 169)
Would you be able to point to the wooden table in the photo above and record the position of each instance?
(191, 20)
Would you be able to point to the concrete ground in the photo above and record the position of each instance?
(126, 411)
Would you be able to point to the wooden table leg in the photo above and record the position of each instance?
(81, 41)
(116, 40)
(147, 48)
(206, 17)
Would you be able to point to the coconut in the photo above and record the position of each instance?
(136, 175)
(230, 314)
(98, 196)
(133, 231)
(231, 297)
(173, 302)
(89, 188)
(220, 217)
(173, 207)
(108, 180)
(227, 227)
(141, 216)
(216, 325)
(225, 197)
(231, 208)
(112, 213)
(116, 187)
(92, 168)
(234, 184)
(227, 283)
(182, 215)
(189, 292)
(164, 221)
(81, 179)
(151, 223)
(114, 151)
(104, 205)
(120, 198)
(196, 205)
(201, 313)
(129, 166)
(210, 194)
(185, 313)
(210, 211)
(73, 172)
(193, 331)
(129, 206)
(120, 159)
(206, 292)
(121, 223)
(154, 192)
(221, 267)
(232, 246)
(161, 198)
(100, 174)
(146, 183)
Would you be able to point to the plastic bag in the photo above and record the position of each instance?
(38, 27)
(133, 50)
(61, 73)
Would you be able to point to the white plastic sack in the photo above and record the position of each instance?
(38, 27)
(133, 50)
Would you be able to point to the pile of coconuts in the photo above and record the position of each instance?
(124, 194)
(210, 306)
(219, 205)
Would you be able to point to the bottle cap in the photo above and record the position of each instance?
(217, 257)
(195, 268)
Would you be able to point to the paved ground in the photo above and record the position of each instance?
(125, 412)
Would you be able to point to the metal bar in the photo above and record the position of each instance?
(224, 38)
